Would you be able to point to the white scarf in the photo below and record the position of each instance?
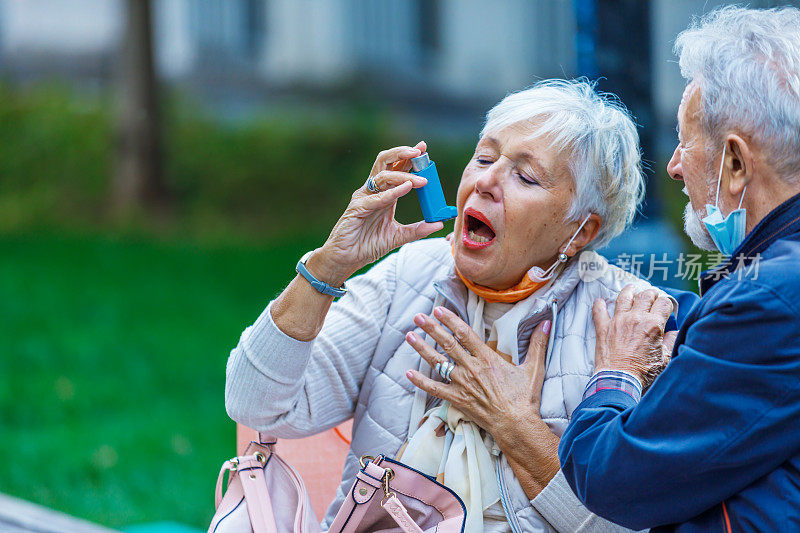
(451, 447)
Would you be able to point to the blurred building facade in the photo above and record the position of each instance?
(448, 59)
(449, 51)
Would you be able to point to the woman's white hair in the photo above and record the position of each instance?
(747, 65)
(597, 131)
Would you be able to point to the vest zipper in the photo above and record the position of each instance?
(501, 482)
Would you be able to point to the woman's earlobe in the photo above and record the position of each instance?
(588, 233)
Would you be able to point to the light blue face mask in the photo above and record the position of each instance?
(726, 232)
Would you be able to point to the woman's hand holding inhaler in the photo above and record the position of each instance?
(367, 230)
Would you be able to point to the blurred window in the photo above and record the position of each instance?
(429, 14)
(228, 30)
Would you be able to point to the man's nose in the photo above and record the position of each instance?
(674, 166)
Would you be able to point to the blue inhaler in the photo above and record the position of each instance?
(431, 196)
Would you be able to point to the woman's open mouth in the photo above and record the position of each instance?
(478, 232)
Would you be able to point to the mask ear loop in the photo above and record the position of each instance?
(719, 176)
(562, 257)
(742, 198)
(719, 181)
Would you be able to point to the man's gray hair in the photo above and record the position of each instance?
(600, 137)
(747, 65)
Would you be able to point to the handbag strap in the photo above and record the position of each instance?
(226, 466)
(256, 494)
(398, 511)
(250, 471)
(390, 503)
(267, 439)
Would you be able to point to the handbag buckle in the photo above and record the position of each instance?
(387, 493)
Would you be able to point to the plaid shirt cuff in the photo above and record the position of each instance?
(614, 380)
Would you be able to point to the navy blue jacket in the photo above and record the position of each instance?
(714, 444)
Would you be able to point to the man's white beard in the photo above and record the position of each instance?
(696, 230)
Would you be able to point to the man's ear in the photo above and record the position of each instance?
(739, 165)
(587, 234)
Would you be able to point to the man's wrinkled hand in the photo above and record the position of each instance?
(633, 340)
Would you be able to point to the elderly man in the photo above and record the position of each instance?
(714, 445)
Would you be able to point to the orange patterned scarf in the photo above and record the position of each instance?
(514, 294)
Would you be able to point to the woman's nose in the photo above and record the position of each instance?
(489, 181)
(674, 166)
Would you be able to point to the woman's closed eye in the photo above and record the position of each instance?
(526, 179)
(483, 160)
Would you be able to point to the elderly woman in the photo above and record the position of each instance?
(556, 171)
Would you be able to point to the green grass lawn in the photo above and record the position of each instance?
(113, 369)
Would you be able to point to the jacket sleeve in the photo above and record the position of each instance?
(686, 301)
(565, 512)
(723, 414)
(291, 389)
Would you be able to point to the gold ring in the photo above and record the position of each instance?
(363, 460)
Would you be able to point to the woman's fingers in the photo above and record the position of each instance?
(383, 199)
(404, 165)
(432, 387)
(386, 179)
(448, 342)
(418, 230)
(387, 158)
(535, 360)
(424, 349)
(537, 349)
(462, 332)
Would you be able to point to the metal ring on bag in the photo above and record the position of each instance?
(365, 459)
(261, 458)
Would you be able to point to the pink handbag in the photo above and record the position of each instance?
(266, 495)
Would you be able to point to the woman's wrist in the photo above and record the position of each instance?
(325, 266)
(531, 449)
(510, 430)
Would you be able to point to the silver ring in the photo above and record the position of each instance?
(444, 369)
(371, 187)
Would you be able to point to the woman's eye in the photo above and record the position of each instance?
(526, 179)
(484, 161)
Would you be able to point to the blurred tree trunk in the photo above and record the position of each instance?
(138, 180)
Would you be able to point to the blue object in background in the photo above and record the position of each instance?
(431, 196)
